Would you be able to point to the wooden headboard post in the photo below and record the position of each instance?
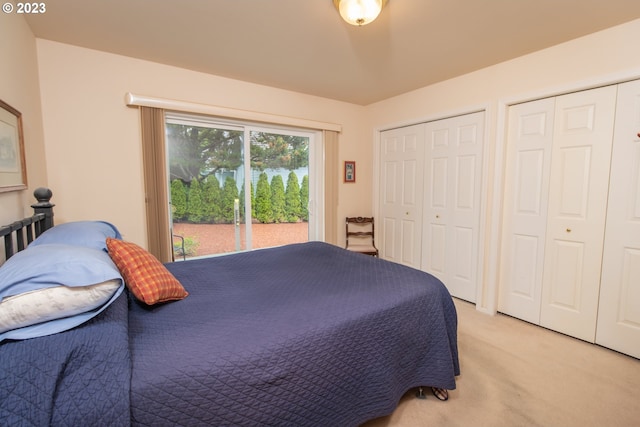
(44, 205)
(19, 234)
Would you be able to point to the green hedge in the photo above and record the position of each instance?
(208, 202)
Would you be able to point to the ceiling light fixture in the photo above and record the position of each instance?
(359, 12)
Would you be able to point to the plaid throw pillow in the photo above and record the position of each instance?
(145, 276)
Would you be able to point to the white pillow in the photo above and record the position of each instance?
(42, 305)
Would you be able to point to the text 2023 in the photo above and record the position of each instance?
(31, 8)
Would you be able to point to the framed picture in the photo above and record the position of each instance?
(13, 171)
(349, 171)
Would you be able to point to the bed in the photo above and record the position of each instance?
(303, 334)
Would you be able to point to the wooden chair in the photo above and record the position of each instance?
(361, 235)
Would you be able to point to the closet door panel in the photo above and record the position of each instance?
(438, 201)
(523, 270)
(402, 157)
(438, 189)
(465, 183)
(582, 140)
(388, 233)
(567, 265)
(619, 308)
(437, 248)
(465, 254)
(528, 161)
(452, 202)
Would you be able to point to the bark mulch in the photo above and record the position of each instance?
(220, 238)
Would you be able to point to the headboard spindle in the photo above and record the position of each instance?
(19, 234)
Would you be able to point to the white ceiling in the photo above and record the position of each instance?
(304, 46)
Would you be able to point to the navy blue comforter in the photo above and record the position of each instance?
(80, 377)
(306, 334)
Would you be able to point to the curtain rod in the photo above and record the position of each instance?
(134, 100)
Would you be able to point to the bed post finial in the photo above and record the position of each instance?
(44, 205)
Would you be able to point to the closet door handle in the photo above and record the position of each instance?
(568, 230)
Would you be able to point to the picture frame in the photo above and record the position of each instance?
(349, 171)
(13, 171)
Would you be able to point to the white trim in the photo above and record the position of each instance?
(433, 117)
(491, 287)
(134, 100)
(571, 87)
(482, 302)
(315, 168)
(378, 130)
(497, 204)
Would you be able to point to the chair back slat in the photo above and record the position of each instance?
(361, 230)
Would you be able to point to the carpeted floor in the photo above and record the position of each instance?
(517, 374)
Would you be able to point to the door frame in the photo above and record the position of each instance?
(501, 139)
(315, 170)
(494, 157)
(481, 294)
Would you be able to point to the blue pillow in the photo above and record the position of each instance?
(92, 234)
(47, 266)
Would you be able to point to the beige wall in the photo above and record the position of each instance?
(19, 87)
(601, 58)
(93, 142)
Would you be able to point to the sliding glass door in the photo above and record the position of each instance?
(237, 186)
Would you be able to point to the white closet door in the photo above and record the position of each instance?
(452, 202)
(583, 133)
(401, 177)
(528, 161)
(619, 309)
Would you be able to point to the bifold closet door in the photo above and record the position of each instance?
(619, 308)
(528, 162)
(453, 184)
(401, 178)
(579, 178)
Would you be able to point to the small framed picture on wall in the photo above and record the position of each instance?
(13, 172)
(349, 171)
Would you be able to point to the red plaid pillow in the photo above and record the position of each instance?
(144, 275)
